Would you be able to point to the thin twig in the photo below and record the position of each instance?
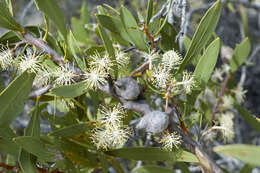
(142, 68)
(39, 92)
(39, 43)
(160, 12)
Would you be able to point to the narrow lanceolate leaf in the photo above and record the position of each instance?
(167, 32)
(246, 153)
(70, 91)
(34, 146)
(27, 160)
(108, 46)
(74, 48)
(104, 162)
(6, 19)
(132, 29)
(51, 9)
(240, 54)
(248, 117)
(14, 97)
(207, 62)
(7, 146)
(149, 11)
(114, 25)
(152, 154)
(203, 33)
(71, 130)
(9, 37)
(153, 169)
(33, 128)
(27, 163)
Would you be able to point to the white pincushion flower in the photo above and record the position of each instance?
(217, 75)
(110, 137)
(122, 59)
(151, 57)
(227, 125)
(226, 68)
(227, 102)
(171, 59)
(112, 116)
(43, 77)
(171, 141)
(161, 77)
(29, 62)
(239, 93)
(64, 75)
(100, 137)
(6, 59)
(188, 82)
(101, 62)
(95, 77)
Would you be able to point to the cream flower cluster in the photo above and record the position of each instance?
(162, 74)
(111, 133)
(6, 58)
(171, 141)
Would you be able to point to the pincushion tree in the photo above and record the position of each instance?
(104, 106)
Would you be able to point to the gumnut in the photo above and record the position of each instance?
(154, 122)
(127, 88)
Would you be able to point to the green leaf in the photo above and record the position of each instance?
(33, 128)
(109, 47)
(203, 33)
(240, 54)
(248, 117)
(14, 97)
(70, 91)
(71, 130)
(132, 29)
(51, 9)
(165, 20)
(93, 50)
(183, 167)
(7, 146)
(152, 169)
(246, 153)
(207, 62)
(74, 48)
(10, 6)
(104, 162)
(114, 25)
(244, 20)
(6, 19)
(34, 146)
(151, 154)
(9, 37)
(84, 13)
(246, 169)
(168, 34)
(149, 12)
(186, 42)
(80, 32)
(27, 162)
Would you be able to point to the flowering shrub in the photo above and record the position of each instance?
(136, 96)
